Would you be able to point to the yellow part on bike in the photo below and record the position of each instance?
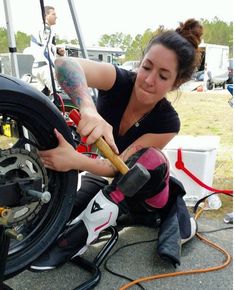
(7, 130)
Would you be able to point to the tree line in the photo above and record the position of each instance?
(216, 31)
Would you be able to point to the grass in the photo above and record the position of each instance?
(208, 113)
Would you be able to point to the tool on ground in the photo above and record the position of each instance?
(133, 178)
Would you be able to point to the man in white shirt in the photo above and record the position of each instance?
(43, 47)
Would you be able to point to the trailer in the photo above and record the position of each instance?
(213, 69)
(97, 53)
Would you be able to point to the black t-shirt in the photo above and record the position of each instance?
(111, 105)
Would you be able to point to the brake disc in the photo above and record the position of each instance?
(20, 164)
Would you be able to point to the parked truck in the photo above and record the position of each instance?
(213, 69)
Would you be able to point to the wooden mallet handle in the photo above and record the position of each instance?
(103, 146)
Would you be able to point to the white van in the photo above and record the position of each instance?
(214, 65)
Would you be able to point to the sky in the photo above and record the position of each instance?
(98, 17)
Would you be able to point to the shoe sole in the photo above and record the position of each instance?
(40, 269)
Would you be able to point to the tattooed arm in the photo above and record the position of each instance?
(74, 76)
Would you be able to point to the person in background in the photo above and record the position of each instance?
(44, 50)
(137, 121)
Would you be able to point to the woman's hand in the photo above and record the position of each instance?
(62, 158)
(94, 126)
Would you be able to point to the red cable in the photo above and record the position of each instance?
(61, 103)
(179, 164)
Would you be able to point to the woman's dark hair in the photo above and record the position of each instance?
(184, 42)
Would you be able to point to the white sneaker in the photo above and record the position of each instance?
(193, 231)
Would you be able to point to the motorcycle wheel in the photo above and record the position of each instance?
(32, 118)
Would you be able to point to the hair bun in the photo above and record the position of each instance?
(192, 30)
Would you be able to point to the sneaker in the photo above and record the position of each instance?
(71, 243)
(194, 229)
(51, 259)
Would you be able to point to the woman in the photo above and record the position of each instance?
(135, 118)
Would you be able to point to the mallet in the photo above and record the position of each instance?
(134, 178)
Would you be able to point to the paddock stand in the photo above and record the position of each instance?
(93, 267)
(4, 246)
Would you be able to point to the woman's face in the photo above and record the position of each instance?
(156, 75)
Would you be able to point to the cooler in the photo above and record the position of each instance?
(199, 157)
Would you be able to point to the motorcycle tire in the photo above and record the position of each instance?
(25, 106)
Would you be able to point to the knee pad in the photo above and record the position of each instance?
(156, 191)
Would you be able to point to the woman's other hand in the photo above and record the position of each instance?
(62, 158)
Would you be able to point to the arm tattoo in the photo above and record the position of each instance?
(106, 162)
(134, 148)
(72, 80)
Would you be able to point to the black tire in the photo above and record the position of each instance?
(31, 109)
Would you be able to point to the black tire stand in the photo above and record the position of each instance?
(4, 247)
(93, 267)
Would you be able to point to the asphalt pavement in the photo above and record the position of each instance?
(141, 260)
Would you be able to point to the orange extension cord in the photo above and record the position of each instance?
(195, 271)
